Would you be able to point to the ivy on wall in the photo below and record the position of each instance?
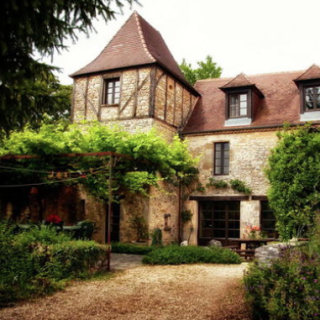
(235, 184)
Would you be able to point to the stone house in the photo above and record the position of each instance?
(136, 83)
(234, 126)
(230, 123)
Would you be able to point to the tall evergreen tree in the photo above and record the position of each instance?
(27, 26)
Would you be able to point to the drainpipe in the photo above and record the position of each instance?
(109, 212)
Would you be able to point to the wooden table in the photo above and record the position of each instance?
(252, 243)
(246, 247)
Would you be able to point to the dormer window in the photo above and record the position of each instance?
(312, 97)
(242, 96)
(111, 90)
(238, 105)
(309, 88)
(310, 100)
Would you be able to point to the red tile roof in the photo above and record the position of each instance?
(239, 81)
(312, 73)
(136, 43)
(281, 102)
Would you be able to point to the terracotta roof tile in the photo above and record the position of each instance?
(281, 102)
(239, 81)
(158, 48)
(136, 43)
(312, 73)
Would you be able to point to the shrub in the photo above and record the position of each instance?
(40, 261)
(186, 216)
(156, 237)
(293, 173)
(139, 224)
(186, 255)
(288, 289)
(130, 248)
(45, 234)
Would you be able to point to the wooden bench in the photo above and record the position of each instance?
(233, 248)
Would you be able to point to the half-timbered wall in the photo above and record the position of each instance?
(173, 102)
(145, 93)
(134, 96)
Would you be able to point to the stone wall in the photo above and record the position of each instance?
(153, 208)
(190, 230)
(249, 215)
(248, 157)
(132, 205)
(164, 212)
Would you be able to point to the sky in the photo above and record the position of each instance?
(249, 36)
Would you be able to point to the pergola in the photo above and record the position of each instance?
(112, 156)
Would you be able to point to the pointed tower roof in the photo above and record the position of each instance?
(240, 80)
(136, 43)
(312, 73)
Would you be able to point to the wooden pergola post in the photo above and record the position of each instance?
(109, 212)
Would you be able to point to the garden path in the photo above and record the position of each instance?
(121, 261)
(197, 292)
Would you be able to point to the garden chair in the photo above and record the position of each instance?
(86, 230)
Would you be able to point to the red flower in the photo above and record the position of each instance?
(53, 218)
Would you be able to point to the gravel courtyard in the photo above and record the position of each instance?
(196, 292)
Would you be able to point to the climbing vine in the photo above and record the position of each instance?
(150, 158)
(219, 184)
(240, 186)
(235, 184)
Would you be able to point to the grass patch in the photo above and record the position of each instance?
(101, 275)
(173, 255)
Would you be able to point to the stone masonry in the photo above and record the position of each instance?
(248, 158)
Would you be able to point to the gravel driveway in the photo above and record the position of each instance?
(146, 292)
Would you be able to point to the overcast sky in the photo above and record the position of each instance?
(250, 36)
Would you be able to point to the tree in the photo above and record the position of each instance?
(206, 69)
(43, 26)
(294, 175)
(62, 101)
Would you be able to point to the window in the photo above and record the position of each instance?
(312, 97)
(219, 219)
(238, 105)
(221, 158)
(268, 220)
(111, 91)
